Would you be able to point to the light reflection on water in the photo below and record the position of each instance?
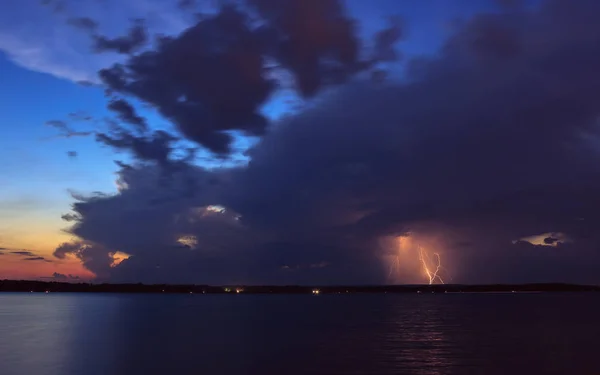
(73, 334)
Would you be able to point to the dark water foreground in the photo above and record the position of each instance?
(118, 334)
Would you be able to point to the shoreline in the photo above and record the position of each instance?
(63, 287)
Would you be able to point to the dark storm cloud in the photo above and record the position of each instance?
(385, 40)
(493, 139)
(510, 4)
(213, 77)
(95, 259)
(134, 40)
(205, 86)
(155, 147)
(315, 40)
(83, 23)
(127, 113)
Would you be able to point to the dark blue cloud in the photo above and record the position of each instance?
(493, 139)
(83, 23)
(216, 75)
(130, 43)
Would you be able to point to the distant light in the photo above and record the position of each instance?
(117, 257)
(549, 239)
(215, 208)
(190, 241)
(316, 291)
(239, 290)
(47, 292)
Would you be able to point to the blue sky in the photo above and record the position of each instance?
(41, 60)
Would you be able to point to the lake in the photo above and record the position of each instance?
(92, 334)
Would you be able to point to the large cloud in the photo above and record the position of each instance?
(215, 76)
(493, 140)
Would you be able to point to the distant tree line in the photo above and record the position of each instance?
(62, 287)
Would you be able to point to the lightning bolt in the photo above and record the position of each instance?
(394, 265)
(428, 266)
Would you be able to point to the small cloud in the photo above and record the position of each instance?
(127, 44)
(65, 130)
(58, 124)
(72, 154)
(86, 83)
(545, 239)
(80, 116)
(23, 253)
(61, 276)
(76, 134)
(550, 240)
(83, 23)
(37, 258)
(58, 6)
(70, 217)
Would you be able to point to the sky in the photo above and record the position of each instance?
(299, 142)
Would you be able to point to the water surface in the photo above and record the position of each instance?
(93, 334)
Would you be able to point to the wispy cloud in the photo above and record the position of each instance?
(26, 255)
(61, 277)
(38, 38)
(37, 258)
(23, 253)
